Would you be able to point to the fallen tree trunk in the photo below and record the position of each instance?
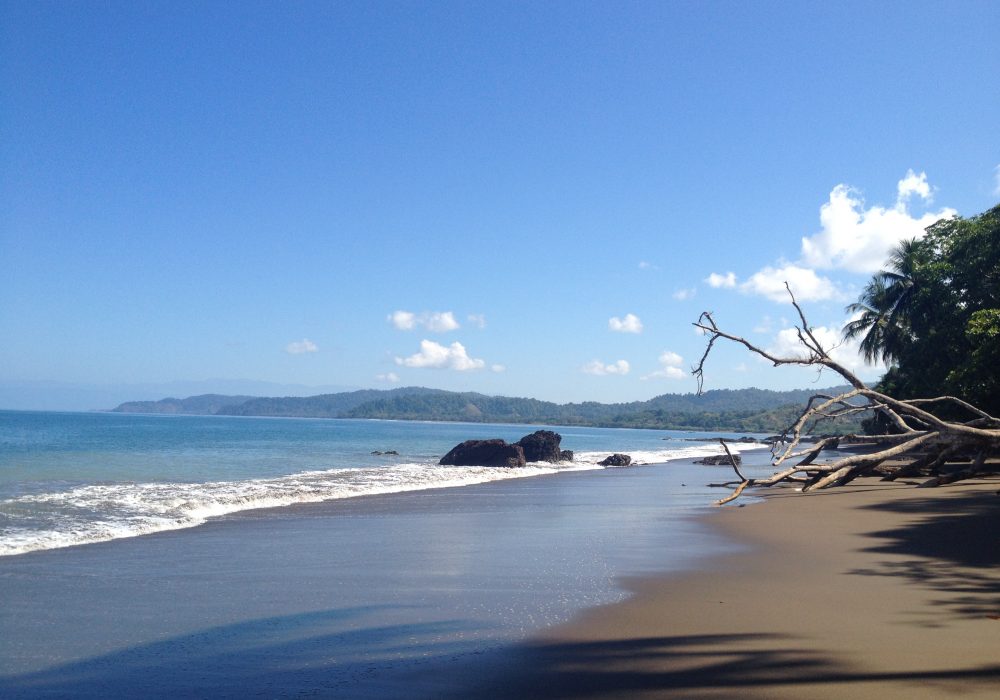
(923, 445)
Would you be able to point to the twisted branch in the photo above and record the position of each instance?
(923, 443)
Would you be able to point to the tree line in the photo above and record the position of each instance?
(933, 315)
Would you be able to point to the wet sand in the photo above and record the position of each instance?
(871, 590)
(375, 597)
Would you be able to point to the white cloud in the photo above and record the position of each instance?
(439, 322)
(670, 367)
(403, 320)
(629, 324)
(477, 320)
(805, 283)
(726, 281)
(434, 321)
(912, 184)
(498, 368)
(858, 239)
(671, 359)
(436, 356)
(684, 294)
(643, 265)
(390, 377)
(598, 368)
(854, 237)
(786, 344)
(301, 346)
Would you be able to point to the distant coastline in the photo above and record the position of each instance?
(730, 410)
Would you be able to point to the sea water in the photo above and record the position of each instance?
(73, 478)
(281, 557)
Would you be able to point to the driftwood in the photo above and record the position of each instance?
(923, 445)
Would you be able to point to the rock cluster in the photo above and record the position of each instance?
(616, 460)
(540, 446)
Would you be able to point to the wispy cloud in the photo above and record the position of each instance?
(726, 281)
(684, 294)
(497, 369)
(765, 325)
(599, 369)
(300, 347)
(629, 324)
(436, 356)
(477, 320)
(434, 321)
(403, 320)
(390, 377)
(644, 265)
(670, 367)
(804, 282)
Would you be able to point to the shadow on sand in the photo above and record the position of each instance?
(336, 653)
(951, 546)
(683, 666)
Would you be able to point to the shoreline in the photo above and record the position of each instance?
(623, 585)
(351, 598)
(887, 591)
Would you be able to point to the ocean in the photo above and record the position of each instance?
(182, 556)
(74, 478)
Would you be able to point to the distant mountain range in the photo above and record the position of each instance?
(738, 410)
(40, 395)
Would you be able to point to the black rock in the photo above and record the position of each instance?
(485, 453)
(720, 459)
(616, 460)
(566, 455)
(541, 446)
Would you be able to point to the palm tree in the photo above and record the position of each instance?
(883, 309)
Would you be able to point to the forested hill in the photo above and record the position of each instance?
(202, 405)
(748, 410)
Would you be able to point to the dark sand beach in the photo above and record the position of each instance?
(587, 585)
(871, 590)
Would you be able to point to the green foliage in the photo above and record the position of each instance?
(935, 313)
(883, 321)
(740, 410)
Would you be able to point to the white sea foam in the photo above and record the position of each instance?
(106, 511)
(640, 457)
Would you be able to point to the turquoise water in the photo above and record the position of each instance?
(72, 478)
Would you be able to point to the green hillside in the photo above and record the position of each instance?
(738, 410)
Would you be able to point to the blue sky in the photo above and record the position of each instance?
(531, 199)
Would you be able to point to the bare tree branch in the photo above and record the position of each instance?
(923, 443)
